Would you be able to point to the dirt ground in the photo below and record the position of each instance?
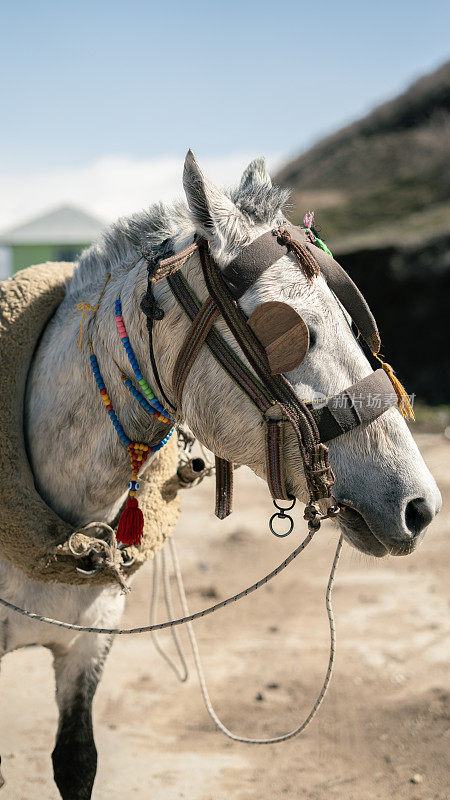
(384, 728)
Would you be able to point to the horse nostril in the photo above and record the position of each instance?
(418, 514)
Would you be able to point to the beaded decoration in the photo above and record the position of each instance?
(131, 522)
(143, 400)
(133, 361)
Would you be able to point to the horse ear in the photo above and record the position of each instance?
(256, 175)
(212, 211)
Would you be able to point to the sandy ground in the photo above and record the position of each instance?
(384, 728)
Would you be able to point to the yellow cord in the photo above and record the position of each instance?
(85, 307)
(404, 405)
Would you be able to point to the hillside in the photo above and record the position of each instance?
(382, 169)
(381, 192)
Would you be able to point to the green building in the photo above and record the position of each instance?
(59, 235)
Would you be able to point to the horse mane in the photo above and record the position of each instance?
(152, 230)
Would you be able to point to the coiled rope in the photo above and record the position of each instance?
(184, 674)
(199, 668)
(189, 618)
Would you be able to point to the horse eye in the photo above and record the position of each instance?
(312, 338)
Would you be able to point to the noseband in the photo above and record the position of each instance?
(272, 394)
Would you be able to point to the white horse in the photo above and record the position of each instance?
(81, 467)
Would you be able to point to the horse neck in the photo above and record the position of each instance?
(80, 466)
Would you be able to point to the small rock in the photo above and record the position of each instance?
(238, 535)
(209, 591)
(272, 686)
(259, 696)
(417, 778)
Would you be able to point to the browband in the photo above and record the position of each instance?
(257, 257)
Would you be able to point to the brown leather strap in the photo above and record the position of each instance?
(192, 344)
(275, 459)
(220, 349)
(224, 487)
(357, 405)
(350, 296)
(320, 481)
(255, 258)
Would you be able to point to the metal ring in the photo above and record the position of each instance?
(286, 508)
(333, 510)
(88, 573)
(281, 516)
(126, 562)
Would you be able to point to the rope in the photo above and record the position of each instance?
(304, 258)
(85, 307)
(71, 626)
(199, 668)
(189, 618)
(182, 676)
(104, 553)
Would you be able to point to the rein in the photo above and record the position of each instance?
(313, 527)
(198, 664)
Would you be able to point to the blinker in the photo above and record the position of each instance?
(282, 332)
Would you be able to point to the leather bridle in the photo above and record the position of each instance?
(273, 395)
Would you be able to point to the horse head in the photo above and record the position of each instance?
(386, 493)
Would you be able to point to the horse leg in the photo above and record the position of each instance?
(77, 671)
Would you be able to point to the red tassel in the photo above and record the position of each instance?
(131, 524)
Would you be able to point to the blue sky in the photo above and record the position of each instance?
(95, 83)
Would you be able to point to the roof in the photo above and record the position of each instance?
(64, 225)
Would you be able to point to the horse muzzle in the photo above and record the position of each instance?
(396, 534)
